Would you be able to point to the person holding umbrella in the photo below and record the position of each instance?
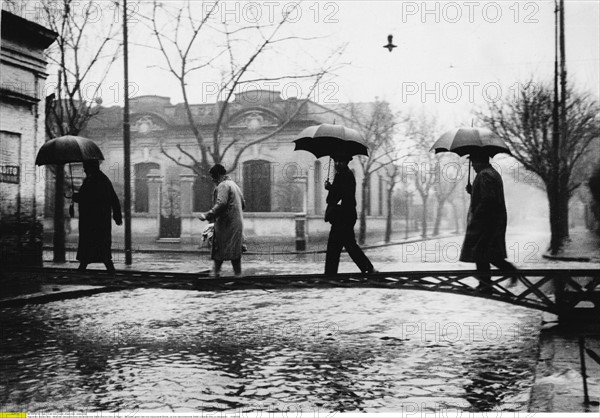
(342, 217)
(485, 241)
(97, 198)
(340, 143)
(485, 237)
(97, 202)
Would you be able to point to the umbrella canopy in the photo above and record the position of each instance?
(68, 149)
(463, 141)
(327, 139)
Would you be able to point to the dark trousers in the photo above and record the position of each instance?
(340, 236)
(110, 267)
(237, 266)
(484, 268)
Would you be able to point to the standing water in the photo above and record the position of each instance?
(369, 350)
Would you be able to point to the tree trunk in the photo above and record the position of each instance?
(438, 218)
(388, 221)
(59, 215)
(424, 219)
(362, 230)
(558, 199)
(456, 218)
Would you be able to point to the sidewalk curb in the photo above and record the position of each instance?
(566, 258)
(69, 293)
(250, 253)
(557, 386)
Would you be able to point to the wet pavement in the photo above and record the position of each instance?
(526, 248)
(309, 350)
(329, 349)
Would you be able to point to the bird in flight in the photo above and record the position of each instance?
(390, 45)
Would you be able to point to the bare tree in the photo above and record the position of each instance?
(450, 171)
(393, 174)
(377, 123)
(525, 123)
(79, 62)
(180, 41)
(422, 165)
(594, 187)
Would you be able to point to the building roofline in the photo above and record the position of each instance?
(39, 34)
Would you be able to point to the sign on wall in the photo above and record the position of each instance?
(10, 163)
(9, 174)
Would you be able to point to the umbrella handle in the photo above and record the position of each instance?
(329, 168)
(469, 188)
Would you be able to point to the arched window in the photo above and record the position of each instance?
(257, 186)
(203, 194)
(141, 170)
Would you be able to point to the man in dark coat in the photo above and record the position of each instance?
(342, 218)
(485, 241)
(97, 202)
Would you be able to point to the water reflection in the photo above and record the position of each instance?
(369, 350)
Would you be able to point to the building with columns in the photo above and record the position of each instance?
(22, 133)
(278, 183)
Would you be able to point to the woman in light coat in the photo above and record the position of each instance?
(228, 219)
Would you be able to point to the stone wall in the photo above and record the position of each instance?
(22, 133)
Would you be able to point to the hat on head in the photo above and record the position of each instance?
(342, 156)
(479, 155)
(217, 170)
(91, 164)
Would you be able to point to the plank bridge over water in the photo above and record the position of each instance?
(569, 293)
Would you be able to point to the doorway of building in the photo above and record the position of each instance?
(257, 186)
(170, 211)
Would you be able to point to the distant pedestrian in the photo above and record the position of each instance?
(342, 217)
(98, 202)
(485, 237)
(227, 241)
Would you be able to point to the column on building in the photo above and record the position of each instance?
(187, 206)
(154, 196)
(309, 170)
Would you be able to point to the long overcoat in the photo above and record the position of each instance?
(98, 203)
(342, 189)
(229, 222)
(486, 222)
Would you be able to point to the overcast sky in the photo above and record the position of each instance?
(451, 56)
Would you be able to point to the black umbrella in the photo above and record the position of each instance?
(463, 141)
(68, 149)
(327, 139)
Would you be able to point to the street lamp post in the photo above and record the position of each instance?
(126, 141)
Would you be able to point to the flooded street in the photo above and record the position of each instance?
(309, 350)
(330, 350)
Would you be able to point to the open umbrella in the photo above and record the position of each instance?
(68, 149)
(463, 141)
(327, 139)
